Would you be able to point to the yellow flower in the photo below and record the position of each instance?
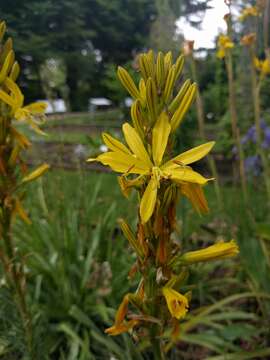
(248, 39)
(121, 328)
(15, 100)
(249, 11)
(134, 159)
(176, 302)
(217, 251)
(262, 65)
(224, 43)
(266, 67)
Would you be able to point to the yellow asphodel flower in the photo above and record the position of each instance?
(23, 113)
(176, 302)
(249, 11)
(217, 251)
(224, 43)
(262, 65)
(136, 160)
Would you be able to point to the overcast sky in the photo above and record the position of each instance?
(212, 24)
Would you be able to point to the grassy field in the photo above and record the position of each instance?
(77, 263)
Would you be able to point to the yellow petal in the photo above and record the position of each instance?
(183, 174)
(36, 173)
(16, 92)
(161, 134)
(7, 99)
(217, 251)
(176, 302)
(122, 163)
(190, 156)
(121, 328)
(148, 201)
(36, 108)
(6, 66)
(135, 144)
(114, 144)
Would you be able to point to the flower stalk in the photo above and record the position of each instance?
(146, 165)
(188, 50)
(14, 177)
(225, 46)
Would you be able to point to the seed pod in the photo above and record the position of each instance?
(184, 106)
(127, 82)
(169, 84)
(177, 100)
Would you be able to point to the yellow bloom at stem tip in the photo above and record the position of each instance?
(224, 43)
(262, 65)
(249, 11)
(135, 159)
(176, 302)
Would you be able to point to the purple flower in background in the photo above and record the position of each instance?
(253, 165)
(266, 141)
(252, 161)
(251, 134)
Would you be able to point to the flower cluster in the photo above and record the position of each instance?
(145, 164)
(14, 173)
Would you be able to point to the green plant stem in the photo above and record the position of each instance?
(201, 124)
(256, 86)
(234, 123)
(16, 279)
(157, 350)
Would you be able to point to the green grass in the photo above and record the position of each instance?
(78, 262)
(107, 118)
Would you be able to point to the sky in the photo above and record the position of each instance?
(212, 24)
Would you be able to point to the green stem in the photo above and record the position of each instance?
(16, 280)
(201, 124)
(234, 123)
(157, 349)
